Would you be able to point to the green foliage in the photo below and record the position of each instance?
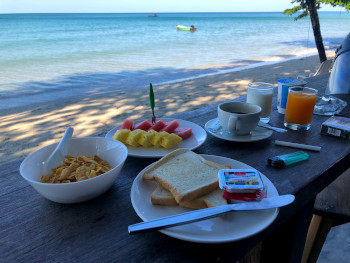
(301, 7)
(344, 3)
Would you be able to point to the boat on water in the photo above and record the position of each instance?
(154, 15)
(186, 28)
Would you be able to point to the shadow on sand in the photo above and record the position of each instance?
(108, 101)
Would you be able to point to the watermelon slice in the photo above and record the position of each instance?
(170, 126)
(158, 126)
(183, 132)
(144, 125)
(128, 125)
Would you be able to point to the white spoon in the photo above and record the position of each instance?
(58, 155)
(261, 124)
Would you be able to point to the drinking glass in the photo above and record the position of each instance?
(261, 93)
(300, 108)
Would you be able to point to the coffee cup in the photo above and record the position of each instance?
(239, 118)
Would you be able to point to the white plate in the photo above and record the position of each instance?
(198, 137)
(257, 134)
(231, 227)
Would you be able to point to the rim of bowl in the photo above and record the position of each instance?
(89, 179)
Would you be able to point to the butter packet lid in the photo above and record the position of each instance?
(240, 180)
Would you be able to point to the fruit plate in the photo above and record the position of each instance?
(198, 137)
(228, 228)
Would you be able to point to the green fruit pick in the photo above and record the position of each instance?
(151, 102)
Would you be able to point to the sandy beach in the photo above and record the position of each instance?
(25, 129)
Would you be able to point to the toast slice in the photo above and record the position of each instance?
(185, 174)
(160, 196)
(214, 199)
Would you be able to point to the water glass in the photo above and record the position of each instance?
(300, 108)
(261, 93)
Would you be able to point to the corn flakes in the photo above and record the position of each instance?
(74, 169)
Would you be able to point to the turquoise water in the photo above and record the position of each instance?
(87, 53)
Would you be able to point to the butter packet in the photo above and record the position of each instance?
(240, 180)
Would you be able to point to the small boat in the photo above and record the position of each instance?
(186, 28)
(154, 15)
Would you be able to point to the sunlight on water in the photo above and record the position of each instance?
(48, 51)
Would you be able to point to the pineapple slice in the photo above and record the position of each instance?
(133, 137)
(121, 135)
(145, 139)
(152, 134)
(170, 141)
(157, 137)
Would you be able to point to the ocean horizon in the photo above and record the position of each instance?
(53, 56)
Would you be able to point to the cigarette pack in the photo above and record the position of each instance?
(337, 126)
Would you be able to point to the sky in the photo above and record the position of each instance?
(144, 6)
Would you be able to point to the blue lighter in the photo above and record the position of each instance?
(287, 159)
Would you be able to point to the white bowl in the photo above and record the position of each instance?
(114, 152)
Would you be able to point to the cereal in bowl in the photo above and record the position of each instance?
(75, 169)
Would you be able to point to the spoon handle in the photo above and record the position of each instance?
(59, 153)
(273, 128)
(63, 144)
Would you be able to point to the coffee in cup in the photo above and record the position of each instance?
(239, 118)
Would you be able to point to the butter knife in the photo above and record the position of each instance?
(202, 214)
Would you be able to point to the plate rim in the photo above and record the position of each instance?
(197, 240)
(233, 139)
(205, 135)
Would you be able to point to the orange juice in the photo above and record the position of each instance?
(300, 107)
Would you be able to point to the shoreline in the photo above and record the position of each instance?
(26, 128)
(66, 91)
(250, 64)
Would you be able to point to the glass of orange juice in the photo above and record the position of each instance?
(300, 108)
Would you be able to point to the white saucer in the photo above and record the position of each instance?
(214, 128)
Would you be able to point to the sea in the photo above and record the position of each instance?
(45, 57)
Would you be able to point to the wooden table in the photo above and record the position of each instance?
(33, 229)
